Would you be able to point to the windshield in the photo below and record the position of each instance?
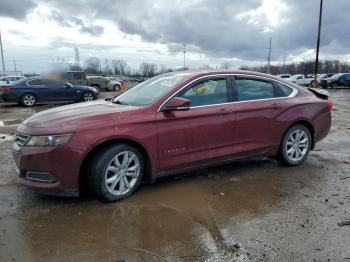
(149, 91)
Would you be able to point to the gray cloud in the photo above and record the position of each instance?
(61, 42)
(17, 9)
(71, 21)
(212, 28)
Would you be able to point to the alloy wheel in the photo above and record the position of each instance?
(297, 145)
(29, 100)
(122, 173)
(88, 97)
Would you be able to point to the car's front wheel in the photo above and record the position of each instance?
(88, 96)
(115, 172)
(295, 146)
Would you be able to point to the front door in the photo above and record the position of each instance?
(203, 133)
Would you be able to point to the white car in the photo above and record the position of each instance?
(285, 76)
(302, 80)
(115, 84)
(6, 80)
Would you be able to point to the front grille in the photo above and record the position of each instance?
(21, 139)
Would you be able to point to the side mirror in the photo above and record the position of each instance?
(177, 104)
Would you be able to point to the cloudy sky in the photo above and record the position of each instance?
(36, 32)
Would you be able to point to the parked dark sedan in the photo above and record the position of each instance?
(28, 92)
(169, 124)
(336, 80)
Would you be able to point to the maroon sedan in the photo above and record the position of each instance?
(169, 124)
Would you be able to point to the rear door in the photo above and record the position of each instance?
(38, 87)
(256, 109)
(201, 134)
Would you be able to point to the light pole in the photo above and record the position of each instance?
(318, 44)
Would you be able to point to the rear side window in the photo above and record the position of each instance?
(78, 75)
(253, 89)
(282, 90)
(35, 82)
(207, 92)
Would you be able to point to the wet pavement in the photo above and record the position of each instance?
(252, 210)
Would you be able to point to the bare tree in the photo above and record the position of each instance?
(93, 65)
(148, 69)
(107, 69)
(120, 67)
(225, 65)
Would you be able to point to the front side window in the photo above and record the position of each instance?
(253, 89)
(35, 82)
(207, 92)
(151, 90)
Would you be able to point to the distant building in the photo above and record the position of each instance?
(11, 73)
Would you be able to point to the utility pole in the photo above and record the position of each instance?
(77, 58)
(2, 54)
(318, 43)
(184, 56)
(14, 63)
(269, 58)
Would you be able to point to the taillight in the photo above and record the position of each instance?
(330, 104)
(5, 89)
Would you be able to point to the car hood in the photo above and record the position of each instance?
(80, 114)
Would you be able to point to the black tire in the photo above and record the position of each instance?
(284, 156)
(28, 100)
(97, 87)
(334, 85)
(98, 173)
(88, 96)
(117, 88)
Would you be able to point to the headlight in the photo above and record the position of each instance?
(55, 140)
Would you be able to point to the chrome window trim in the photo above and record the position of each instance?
(27, 82)
(293, 94)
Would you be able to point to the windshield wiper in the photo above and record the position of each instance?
(120, 103)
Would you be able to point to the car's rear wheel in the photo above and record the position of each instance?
(28, 100)
(295, 146)
(88, 96)
(97, 87)
(115, 173)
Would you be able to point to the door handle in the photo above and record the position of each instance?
(225, 111)
(275, 106)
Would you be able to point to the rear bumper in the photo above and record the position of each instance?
(47, 169)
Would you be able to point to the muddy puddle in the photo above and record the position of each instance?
(194, 215)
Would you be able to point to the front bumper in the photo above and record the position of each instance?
(51, 169)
